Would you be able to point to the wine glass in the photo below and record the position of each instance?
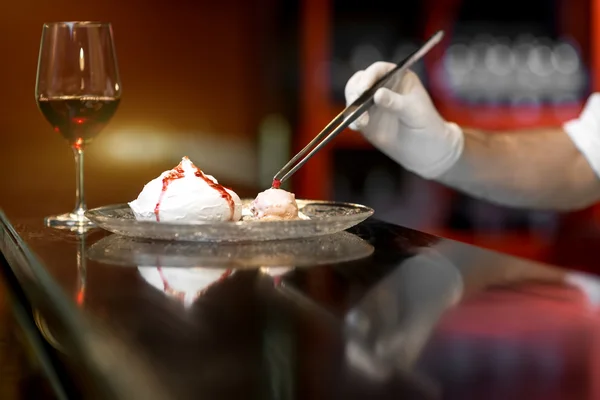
(78, 90)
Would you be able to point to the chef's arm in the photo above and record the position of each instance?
(553, 168)
(550, 168)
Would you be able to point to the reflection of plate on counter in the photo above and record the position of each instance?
(329, 249)
(323, 218)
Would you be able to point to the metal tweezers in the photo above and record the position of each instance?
(353, 111)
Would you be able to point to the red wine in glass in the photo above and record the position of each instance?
(78, 90)
(78, 119)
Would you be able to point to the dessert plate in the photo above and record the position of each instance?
(322, 218)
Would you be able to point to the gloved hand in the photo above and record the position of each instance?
(404, 124)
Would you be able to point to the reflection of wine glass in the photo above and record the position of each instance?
(78, 90)
(81, 268)
(48, 328)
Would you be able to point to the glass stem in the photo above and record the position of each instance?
(80, 207)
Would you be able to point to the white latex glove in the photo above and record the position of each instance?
(404, 124)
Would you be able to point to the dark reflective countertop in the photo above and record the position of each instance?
(380, 311)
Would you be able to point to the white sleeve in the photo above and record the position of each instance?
(585, 132)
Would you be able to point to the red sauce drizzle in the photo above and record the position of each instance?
(276, 184)
(177, 173)
(180, 295)
(219, 188)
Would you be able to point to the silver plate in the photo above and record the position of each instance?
(324, 218)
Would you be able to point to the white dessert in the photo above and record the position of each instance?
(183, 284)
(276, 272)
(274, 204)
(186, 195)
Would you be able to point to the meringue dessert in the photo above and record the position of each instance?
(184, 284)
(274, 204)
(186, 195)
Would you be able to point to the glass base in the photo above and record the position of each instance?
(71, 221)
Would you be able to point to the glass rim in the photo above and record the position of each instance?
(91, 24)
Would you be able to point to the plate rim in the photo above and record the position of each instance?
(92, 214)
